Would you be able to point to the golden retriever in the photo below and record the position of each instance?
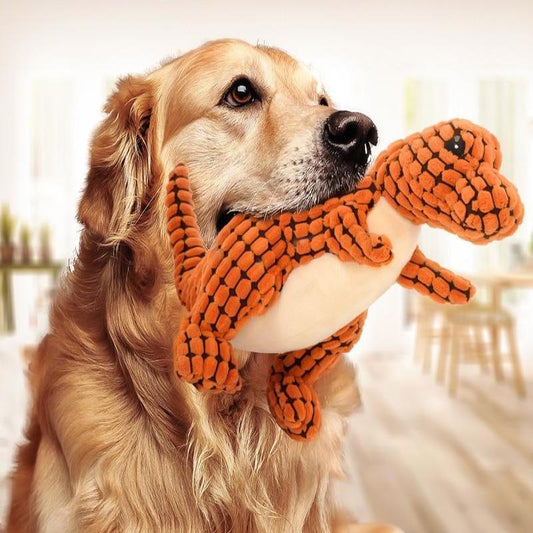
(115, 442)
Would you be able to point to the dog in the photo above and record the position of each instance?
(115, 442)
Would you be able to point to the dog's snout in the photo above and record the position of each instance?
(350, 134)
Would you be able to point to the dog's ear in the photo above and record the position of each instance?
(120, 165)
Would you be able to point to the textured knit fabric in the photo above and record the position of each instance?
(446, 176)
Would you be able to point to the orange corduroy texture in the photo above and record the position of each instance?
(446, 176)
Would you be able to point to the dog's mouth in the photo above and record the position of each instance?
(225, 216)
(345, 180)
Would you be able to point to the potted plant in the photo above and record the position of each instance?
(7, 227)
(46, 251)
(25, 249)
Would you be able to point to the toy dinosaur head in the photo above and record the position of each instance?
(448, 177)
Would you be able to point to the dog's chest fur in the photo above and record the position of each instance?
(227, 465)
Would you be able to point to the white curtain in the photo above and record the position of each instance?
(51, 179)
(62, 113)
(503, 110)
(426, 102)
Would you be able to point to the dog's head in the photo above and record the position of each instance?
(255, 128)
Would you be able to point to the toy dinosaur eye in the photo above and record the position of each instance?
(456, 145)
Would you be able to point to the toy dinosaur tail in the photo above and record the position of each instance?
(182, 226)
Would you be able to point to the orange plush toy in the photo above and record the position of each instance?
(247, 288)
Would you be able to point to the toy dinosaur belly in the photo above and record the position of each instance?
(322, 296)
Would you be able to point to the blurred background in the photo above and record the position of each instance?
(444, 442)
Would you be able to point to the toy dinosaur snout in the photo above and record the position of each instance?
(485, 205)
(448, 176)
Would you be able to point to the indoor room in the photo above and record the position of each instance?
(442, 441)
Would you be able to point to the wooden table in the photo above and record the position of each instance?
(497, 282)
(6, 278)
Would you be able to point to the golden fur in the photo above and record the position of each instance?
(115, 442)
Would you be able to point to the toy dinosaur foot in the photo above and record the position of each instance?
(380, 249)
(294, 405)
(351, 242)
(205, 361)
(364, 247)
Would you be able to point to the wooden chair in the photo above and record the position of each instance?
(474, 333)
(470, 333)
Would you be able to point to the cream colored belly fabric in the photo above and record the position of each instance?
(325, 294)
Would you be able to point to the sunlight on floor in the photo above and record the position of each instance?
(428, 463)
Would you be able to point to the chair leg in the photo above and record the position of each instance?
(426, 361)
(479, 351)
(518, 378)
(418, 340)
(454, 362)
(423, 343)
(444, 350)
(496, 355)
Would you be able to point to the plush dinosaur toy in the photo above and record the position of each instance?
(447, 176)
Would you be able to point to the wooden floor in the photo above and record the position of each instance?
(414, 456)
(428, 463)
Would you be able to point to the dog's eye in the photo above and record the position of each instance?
(323, 101)
(456, 145)
(241, 93)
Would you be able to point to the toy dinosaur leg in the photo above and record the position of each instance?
(291, 396)
(182, 226)
(351, 241)
(430, 279)
(203, 354)
(205, 360)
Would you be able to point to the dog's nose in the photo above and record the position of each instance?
(350, 134)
